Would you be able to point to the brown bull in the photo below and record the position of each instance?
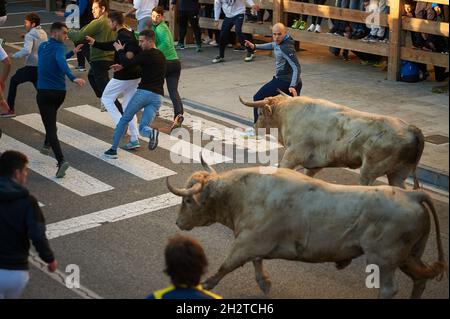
(317, 133)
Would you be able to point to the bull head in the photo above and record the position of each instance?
(259, 104)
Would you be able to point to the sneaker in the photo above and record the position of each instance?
(45, 150)
(180, 46)
(296, 24)
(213, 43)
(8, 114)
(103, 108)
(367, 38)
(218, 59)
(198, 48)
(332, 30)
(249, 57)
(384, 40)
(229, 45)
(311, 28)
(317, 29)
(373, 39)
(177, 122)
(206, 40)
(111, 153)
(153, 142)
(80, 68)
(339, 33)
(62, 168)
(302, 25)
(359, 34)
(131, 145)
(157, 113)
(239, 49)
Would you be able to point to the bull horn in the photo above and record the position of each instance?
(206, 166)
(261, 103)
(283, 94)
(197, 188)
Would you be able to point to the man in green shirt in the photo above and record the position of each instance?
(164, 42)
(100, 61)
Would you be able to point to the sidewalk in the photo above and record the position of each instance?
(361, 87)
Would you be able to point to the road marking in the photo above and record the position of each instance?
(174, 145)
(217, 131)
(60, 277)
(111, 215)
(21, 26)
(74, 181)
(128, 162)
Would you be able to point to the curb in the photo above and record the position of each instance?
(426, 175)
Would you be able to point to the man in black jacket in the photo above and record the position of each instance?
(21, 220)
(125, 80)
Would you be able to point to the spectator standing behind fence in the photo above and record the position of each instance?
(142, 9)
(316, 21)
(377, 32)
(213, 35)
(188, 12)
(186, 262)
(21, 220)
(300, 22)
(338, 28)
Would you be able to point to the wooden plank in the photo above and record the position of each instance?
(425, 26)
(278, 11)
(339, 42)
(118, 6)
(252, 28)
(421, 56)
(436, 1)
(395, 28)
(263, 4)
(331, 12)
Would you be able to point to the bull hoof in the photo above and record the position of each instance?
(342, 264)
(265, 286)
(209, 284)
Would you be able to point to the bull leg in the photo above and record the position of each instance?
(312, 171)
(388, 288)
(367, 176)
(262, 277)
(289, 160)
(398, 178)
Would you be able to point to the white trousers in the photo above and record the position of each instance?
(112, 91)
(12, 283)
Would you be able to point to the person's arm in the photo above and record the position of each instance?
(27, 48)
(36, 231)
(133, 9)
(5, 70)
(264, 46)
(291, 58)
(217, 8)
(126, 62)
(91, 29)
(105, 46)
(62, 63)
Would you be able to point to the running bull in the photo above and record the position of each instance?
(288, 215)
(317, 133)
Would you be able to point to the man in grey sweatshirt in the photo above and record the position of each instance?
(33, 38)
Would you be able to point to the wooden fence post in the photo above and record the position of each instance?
(395, 33)
(277, 11)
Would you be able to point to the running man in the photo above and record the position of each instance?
(6, 62)
(287, 68)
(33, 38)
(51, 88)
(149, 93)
(124, 81)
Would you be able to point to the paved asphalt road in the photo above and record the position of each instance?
(122, 257)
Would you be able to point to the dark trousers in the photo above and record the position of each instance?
(98, 77)
(83, 55)
(23, 75)
(49, 102)
(173, 72)
(271, 89)
(192, 18)
(317, 20)
(227, 24)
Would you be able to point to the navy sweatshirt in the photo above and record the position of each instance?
(187, 5)
(21, 220)
(52, 66)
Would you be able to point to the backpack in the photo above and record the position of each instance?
(410, 72)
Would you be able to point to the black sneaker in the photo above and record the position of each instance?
(111, 153)
(339, 33)
(177, 122)
(62, 168)
(45, 150)
(153, 142)
(332, 30)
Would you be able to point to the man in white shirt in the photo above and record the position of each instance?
(142, 9)
(234, 11)
(3, 76)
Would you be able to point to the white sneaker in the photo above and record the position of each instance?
(206, 40)
(213, 43)
(249, 133)
(311, 28)
(317, 29)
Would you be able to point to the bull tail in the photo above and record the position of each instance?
(440, 267)
(420, 139)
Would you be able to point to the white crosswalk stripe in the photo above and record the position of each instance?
(174, 145)
(74, 181)
(128, 162)
(111, 215)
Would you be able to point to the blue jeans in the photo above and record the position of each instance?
(225, 31)
(271, 89)
(142, 99)
(357, 5)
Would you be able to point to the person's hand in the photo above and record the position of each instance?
(79, 82)
(52, 266)
(89, 39)
(2, 85)
(78, 48)
(216, 23)
(59, 13)
(293, 91)
(116, 67)
(255, 8)
(250, 45)
(437, 9)
(118, 45)
(4, 107)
